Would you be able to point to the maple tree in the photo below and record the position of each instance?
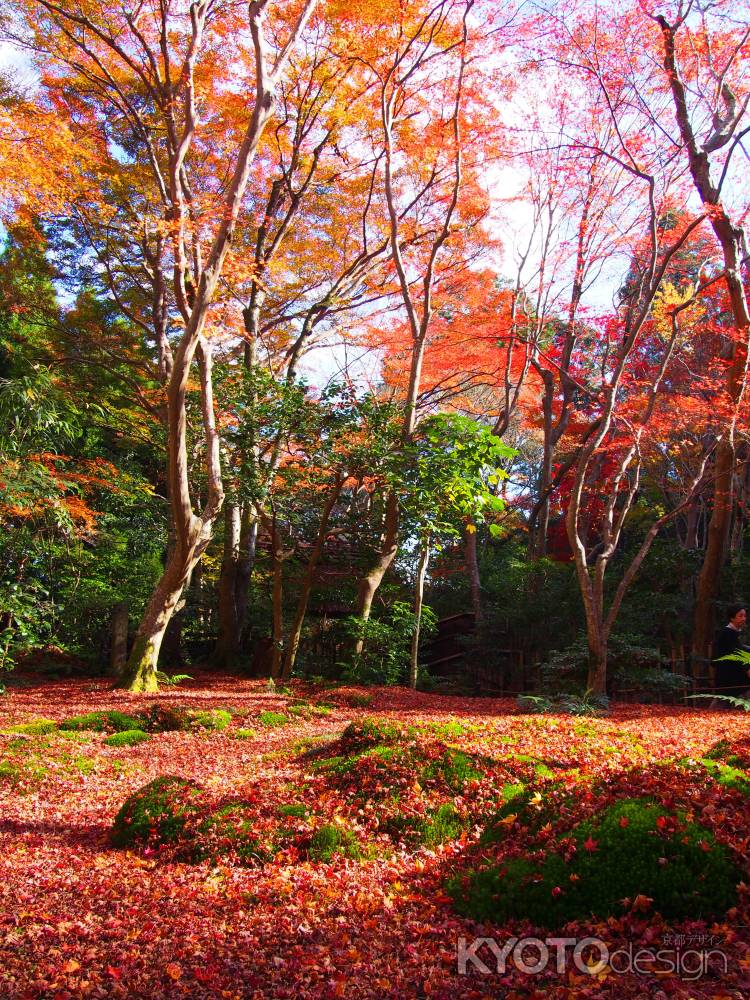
(155, 55)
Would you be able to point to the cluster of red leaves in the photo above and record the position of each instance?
(80, 919)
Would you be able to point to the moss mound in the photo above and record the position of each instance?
(368, 733)
(272, 719)
(728, 775)
(165, 718)
(333, 839)
(158, 813)
(127, 738)
(633, 848)
(244, 734)
(230, 831)
(523, 805)
(215, 718)
(453, 767)
(442, 824)
(37, 727)
(102, 722)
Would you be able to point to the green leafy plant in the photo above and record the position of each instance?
(586, 704)
(536, 703)
(741, 703)
(386, 644)
(631, 665)
(171, 680)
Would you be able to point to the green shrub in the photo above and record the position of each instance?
(127, 738)
(37, 727)
(333, 839)
(631, 664)
(570, 703)
(243, 734)
(157, 814)
(215, 718)
(272, 719)
(102, 722)
(633, 848)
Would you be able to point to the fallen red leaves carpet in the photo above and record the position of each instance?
(81, 919)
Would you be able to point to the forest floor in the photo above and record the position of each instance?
(373, 918)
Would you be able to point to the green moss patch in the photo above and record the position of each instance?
(454, 767)
(37, 727)
(272, 719)
(158, 813)
(333, 839)
(727, 775)
(27, 773)
(440, 825)
(633, 848)
(128, 738)
(369, 733)
(215, 719)
(297, 809)
(102, 722)
(230, 831)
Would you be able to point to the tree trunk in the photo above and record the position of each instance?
(716, 552)
(472, 568)
(141, 671)
(277, 559)
(731, 238)
(424, 558)
(292, 645)
(118, 654)
(369, 583)
(596, 681)
(228, 640)
(248, 542)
